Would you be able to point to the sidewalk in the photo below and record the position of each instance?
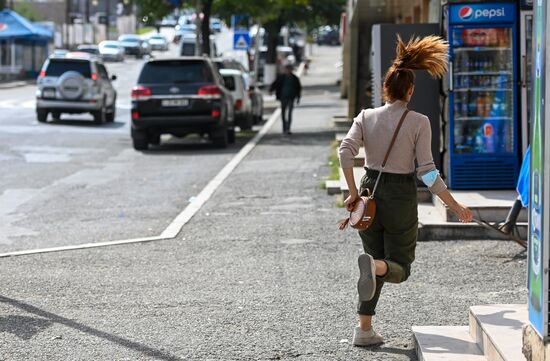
(16, 83)
(260, 273)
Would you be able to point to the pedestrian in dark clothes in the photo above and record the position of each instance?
(288, 89)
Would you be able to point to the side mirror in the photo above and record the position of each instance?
(113, 77)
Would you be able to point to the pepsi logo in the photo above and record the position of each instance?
(465, 12)
(3, 26)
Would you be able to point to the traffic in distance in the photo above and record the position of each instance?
(176, 92)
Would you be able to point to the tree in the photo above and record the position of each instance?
(205, 25)
(152, 11)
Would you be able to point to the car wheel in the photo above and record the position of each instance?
(140, 143)
(246, 123)
(110, 116)
(154, 139)
(231, 136)
(99, 116)
(42, 115)
(220, 139)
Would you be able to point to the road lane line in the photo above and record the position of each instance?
(185, 216)
(181, 219)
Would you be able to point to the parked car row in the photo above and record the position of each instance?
(193, 94)
(127, 44)
(178, 96)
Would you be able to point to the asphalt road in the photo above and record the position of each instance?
(71, 182)
(260, 273)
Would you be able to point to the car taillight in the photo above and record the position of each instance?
(94, 76)
(238, 104)
(216, 113)
(135, 115)
(140, 92)
(209, 90)
(42, 74)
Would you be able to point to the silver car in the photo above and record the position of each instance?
(111, 50)
(75, 83)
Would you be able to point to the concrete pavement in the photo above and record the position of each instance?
(260, 273)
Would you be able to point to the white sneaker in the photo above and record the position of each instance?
(366, 338)
(366, 286)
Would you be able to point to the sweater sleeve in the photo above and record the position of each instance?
(424, 157)
(352, 142)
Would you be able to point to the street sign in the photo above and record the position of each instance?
(241, 40)
(240, 22)
(540, 173)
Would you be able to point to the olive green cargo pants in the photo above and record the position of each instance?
(392, 236)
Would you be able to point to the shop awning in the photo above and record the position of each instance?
(15, 27)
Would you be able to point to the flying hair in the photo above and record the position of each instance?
(429, 53)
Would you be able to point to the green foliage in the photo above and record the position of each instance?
(150, 11)
(26, 11)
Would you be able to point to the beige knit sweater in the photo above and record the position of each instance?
(374, 128)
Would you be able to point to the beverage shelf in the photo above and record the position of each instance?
(481, 48)
(482, 89)
(466, 119)
(488, 73)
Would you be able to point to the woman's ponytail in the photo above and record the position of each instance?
(429, 53)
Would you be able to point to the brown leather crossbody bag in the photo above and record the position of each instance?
(364, 209)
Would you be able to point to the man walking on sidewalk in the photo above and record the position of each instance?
(287, 88)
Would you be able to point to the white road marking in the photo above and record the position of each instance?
(177, 224)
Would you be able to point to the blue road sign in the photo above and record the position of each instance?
(241, 40)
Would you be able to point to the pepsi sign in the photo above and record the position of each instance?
(482, 13)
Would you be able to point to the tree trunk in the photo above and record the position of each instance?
(205, 26)
(273, 28)
(270, 70)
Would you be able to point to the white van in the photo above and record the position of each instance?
(188, 46)
(235, 83)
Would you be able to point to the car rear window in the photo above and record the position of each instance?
(187, 49)
(58, 67)
(175, 72)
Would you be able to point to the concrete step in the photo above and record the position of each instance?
(339, 137)
(358, 173)
(341, 123)
(497, 330)
(434, 227)
(333, 187)
(359, 160)
(424, 195)
(445, 343)
(490, 206)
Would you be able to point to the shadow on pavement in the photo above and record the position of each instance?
(299, 138)
(196, 145)
(89, 123)
(49, 318)
(24, 327)
(410, 353)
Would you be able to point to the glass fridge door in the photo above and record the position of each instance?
(483, 74)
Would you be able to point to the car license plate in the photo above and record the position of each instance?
(49, 94)
(175, 103)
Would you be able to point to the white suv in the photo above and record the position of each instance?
(75, 83)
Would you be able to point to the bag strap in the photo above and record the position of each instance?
(389, 150)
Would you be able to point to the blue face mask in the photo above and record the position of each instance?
(430, 177)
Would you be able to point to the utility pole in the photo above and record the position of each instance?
(67, 23)
(108, 20)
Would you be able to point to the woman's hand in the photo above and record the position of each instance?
(349, 203)
(463, 213)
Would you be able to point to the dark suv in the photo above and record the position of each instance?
(181, 96)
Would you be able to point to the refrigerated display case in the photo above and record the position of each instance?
(483, 96)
